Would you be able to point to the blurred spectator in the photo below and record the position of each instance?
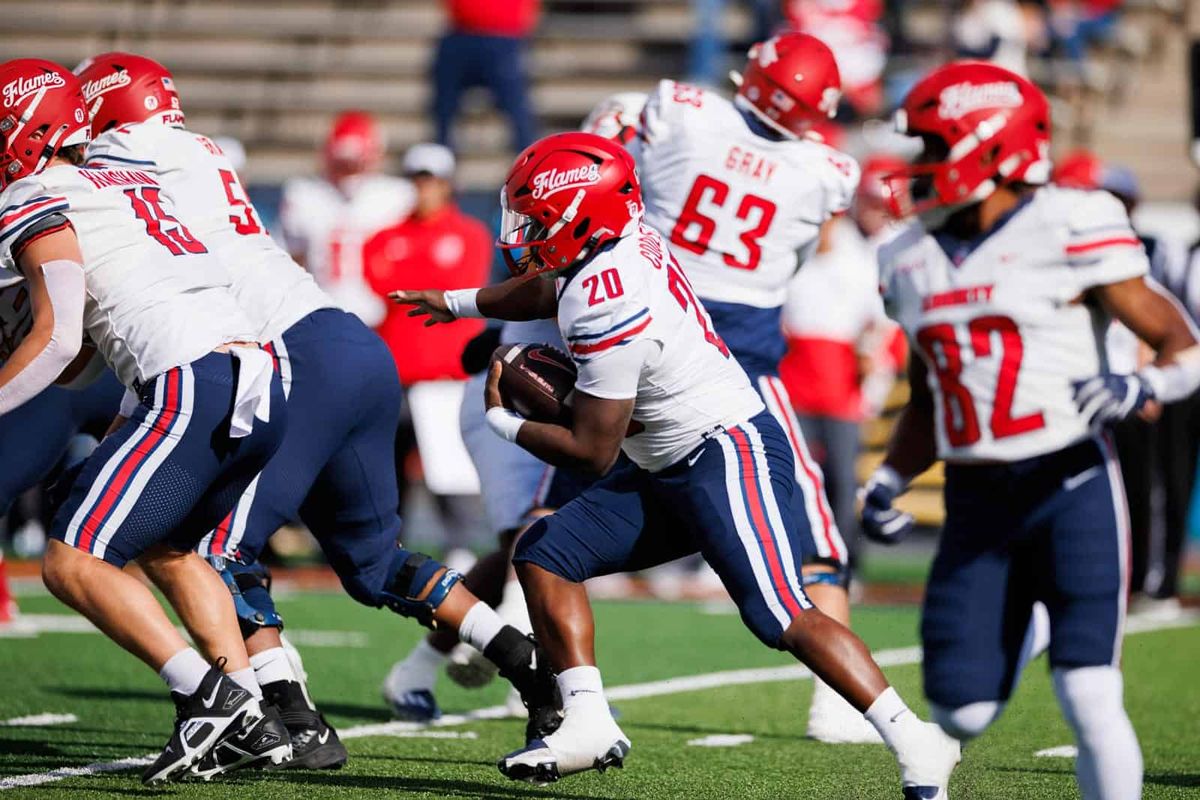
(1160, 447)
(486, 46)
(853, 30)
(1178, 440)
(325, 220)
(843, 351)
(440, 247)
(437, 246)
(1077, 25)
(1001, 31)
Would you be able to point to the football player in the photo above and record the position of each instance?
(102, 253)
(1005, 286)
(325, 220)
(741, 190)
(336, 470)
(710, 471)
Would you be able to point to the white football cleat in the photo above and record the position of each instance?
(925, 773)
(834, 721)
(469, 668)
(581, 743)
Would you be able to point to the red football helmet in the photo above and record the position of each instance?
(791, 81)
(1081, 169)
(354, 144)
(121, 88)
(565, 196)
(982, 127)
(43, 112)
(874, 186)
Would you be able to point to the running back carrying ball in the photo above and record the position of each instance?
(537, 381)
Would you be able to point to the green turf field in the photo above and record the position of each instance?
(122, 713)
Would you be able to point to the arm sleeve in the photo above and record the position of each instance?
(844, 175)
(65, 285)
(1101, 247)
(615, 375)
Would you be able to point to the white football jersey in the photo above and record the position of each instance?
(739, 210)
(329, 229)
(275, 292)
(690, 385)
(1002, 322)
(157, 297)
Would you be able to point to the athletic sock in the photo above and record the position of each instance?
(1109, 764)
(272, 665)
(581, 689)
(245, 678)
(480, 626)
(420, 668)
(184, 671)
(899, 727)
(513, 609)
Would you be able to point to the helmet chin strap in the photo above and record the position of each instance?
(744, 104)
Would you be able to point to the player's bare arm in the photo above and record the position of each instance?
(1154, 316)
(514, 300)
(591, 444)
(51, 265)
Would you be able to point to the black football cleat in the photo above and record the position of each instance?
(262, 743)
(523, 664)
(315, 744)
(216, 710)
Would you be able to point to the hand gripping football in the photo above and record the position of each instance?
(536, 381)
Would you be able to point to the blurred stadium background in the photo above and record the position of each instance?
(274, 75)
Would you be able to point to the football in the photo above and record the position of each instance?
(537, 381)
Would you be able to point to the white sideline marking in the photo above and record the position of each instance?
(1063, 751)
(39, 720)
(722, 740)
(885, 658)
(27, 625)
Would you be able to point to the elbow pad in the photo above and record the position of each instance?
(66, 288)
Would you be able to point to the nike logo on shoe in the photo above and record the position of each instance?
(324, 737)
(212, 698)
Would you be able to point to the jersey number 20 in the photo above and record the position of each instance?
(693, 230)
(941, 345)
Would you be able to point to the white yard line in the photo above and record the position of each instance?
(39, 720)
(691, 683)
(28, 625)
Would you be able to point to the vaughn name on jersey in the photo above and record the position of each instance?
(1003, 323)
(688, 386)
(274, 291)
(156, 296)
(740, 210)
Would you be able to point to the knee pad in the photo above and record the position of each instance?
(1109, 765)
(250, 585)
(1090, 697)
(407, 577)
(966, 722)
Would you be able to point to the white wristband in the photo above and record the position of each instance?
(461, 303)
(505, 423)
(1173, 382)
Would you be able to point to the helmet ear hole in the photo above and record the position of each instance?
(582, 228)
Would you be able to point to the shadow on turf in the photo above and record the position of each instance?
(96, 693)
(1150, 778)
(434, 786)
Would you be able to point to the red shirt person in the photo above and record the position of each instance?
(439, 246)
